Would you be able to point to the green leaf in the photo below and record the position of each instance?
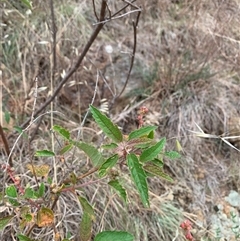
(153, 151)
(13, 201)
(119, 188)
(44, 153)
(41, 190)
(27, 3)
(144, 131)
(151, 135)
(7, 117)
(5, 221)
(108, 164)
(109, 146)
(68, 235)
(87, 208)
(156, 171)
(85, 227)
(114, 236)
(172, 154)
(91, 152)
(62, 131)
(65, 149)
(23, 238)
(139, 178)
(157, 162)
(141, 142)
(29, 193)
(28, 217)
(11, 191)
(106, 125)
(49, 180)
(18, 129)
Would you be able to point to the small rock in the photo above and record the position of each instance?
(233, 198)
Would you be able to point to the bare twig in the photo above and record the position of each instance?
(115, 14)
(132, 58)
(54, 36)
(120, 16)
(6, 146)
(35, 99)
(131, 4)
(90, 172)
(94, 10)
(53, 70)
(109, 11)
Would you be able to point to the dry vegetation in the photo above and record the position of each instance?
(186, 71)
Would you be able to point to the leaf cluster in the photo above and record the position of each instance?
(137, 153)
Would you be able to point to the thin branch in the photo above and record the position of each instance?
(53, 70)
(35, 130)
(109, 11)
(54, 36)
(91, 171)
(35, 99)
(133, 57)
(6, 146)
(115, 14)
(94, 10)
(131, 4)
(120, 16)
(62, 81)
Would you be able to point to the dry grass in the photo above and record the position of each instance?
(186, 72)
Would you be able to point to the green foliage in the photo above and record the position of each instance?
(156, 171)
(141, 132)
(87, 218)
(139, 177)
(7, 117)
(85, 227)
(12, 195)
(27, 3)
(152, 152)
(87, 208)
(172, 154)
(30, 193)
(92, 152)
(65, 149)
(235, 225)
(114, 235)
(139, 154)
(106, 125)
(18, 129)
(62, 131)
(5, 221)
(24, 238)
(109, 163)
(44, 153)
(119, 189)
